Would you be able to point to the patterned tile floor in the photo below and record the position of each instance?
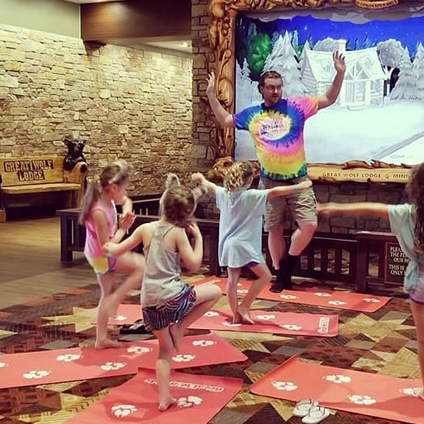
(383, 342)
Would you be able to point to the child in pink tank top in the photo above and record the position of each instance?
(99, 216)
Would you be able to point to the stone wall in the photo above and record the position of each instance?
(203, 132)
(126, 103)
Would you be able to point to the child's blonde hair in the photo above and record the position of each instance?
(238, 176)
(178, 202)
(116, 173)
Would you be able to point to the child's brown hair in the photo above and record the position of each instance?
(178, 202)
(116, 173)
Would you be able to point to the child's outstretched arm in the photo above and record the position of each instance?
(192, 257)
(285, 190)
(200, 179)
(117, 249)
(379, 210)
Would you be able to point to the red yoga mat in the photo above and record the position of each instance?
(55, 366)
(199, 399)
(292, 323)
(310, 296)
(344, 389)
(126, 314)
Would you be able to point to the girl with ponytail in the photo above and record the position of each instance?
(407, 224)
(98, 214)
(169, 305)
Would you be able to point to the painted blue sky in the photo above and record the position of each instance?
(408, 31)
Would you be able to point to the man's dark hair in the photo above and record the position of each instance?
(268, 74)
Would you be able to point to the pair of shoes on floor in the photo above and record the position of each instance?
(137, 328)
(310, 411)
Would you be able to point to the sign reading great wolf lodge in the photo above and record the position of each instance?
(31, 170)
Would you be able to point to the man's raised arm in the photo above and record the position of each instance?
(222, 116)
(333, 92)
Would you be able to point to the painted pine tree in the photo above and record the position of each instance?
(418, 67)
(283, 60)
(406, 86)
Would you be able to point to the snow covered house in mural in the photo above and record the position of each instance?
(364, 79)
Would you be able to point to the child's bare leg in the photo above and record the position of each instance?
(264, 277)
(233, 279)
(163, 368)
(133, 264)
(206, 296)
(106, 283)
(418, 315)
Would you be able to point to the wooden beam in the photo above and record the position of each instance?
(147, 20)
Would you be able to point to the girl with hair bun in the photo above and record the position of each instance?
(169, 305)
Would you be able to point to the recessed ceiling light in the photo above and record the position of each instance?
(185, 45)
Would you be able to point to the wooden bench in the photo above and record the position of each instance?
(22, 178)
(353, 259)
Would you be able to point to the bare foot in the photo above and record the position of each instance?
(107, 343)
(237, 318)
(176, 335)
(245, 315)
(165, 404)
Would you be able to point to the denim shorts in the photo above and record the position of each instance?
(417, 295)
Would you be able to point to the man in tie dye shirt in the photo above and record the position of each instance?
(276, 126)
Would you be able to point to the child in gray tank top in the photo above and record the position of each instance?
(169, 305)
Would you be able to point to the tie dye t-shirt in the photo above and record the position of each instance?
(278, 135)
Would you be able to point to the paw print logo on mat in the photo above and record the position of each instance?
(242, 291)
(211, 314)
(189, 401)
(3, 364)
(230, 324)
(362, 400)
(36, 374)
(266, 317)
(68, 357)
(338, 378)
(139, 350)
(336, 302)
(411, 391)
(371, 300)
(111, 366)
(119, 318)
(291, 327)
(122, 411)
(287, 296)
(319, 294)
(183, 358)
(203, 343)
(288, 386)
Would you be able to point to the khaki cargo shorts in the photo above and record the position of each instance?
(302, 206)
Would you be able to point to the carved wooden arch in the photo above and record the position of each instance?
(221, 34)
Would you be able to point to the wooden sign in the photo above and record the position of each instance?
(25, 171)
(376, 4)
(394, 264)
(361, 175)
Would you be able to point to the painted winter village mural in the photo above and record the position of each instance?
(379, 115)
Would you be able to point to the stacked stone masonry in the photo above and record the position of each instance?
(125, 103)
